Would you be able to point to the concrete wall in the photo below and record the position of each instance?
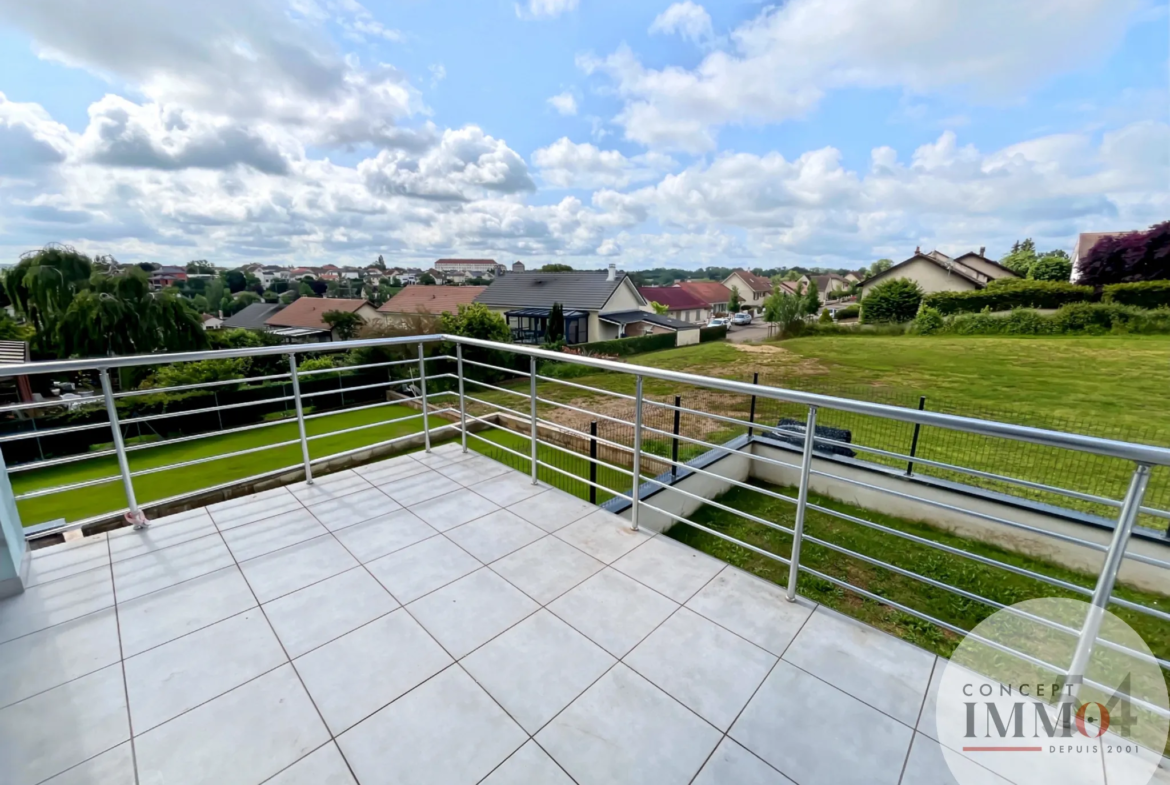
(686, 338)
(731, 466)
(928, 275)
(1070, 555)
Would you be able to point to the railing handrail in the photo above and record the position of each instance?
(1113, 448)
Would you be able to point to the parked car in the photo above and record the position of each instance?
(743, 317)
(719, 322)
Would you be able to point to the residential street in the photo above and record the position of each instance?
(756, 331)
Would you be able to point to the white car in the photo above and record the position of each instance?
(720, 322)
(743, 317)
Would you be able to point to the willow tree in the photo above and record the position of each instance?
(43, 285)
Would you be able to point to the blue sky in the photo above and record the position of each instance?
(812, 132)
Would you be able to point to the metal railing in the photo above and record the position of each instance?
(468, 379)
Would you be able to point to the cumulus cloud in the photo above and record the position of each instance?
(536, 9)
(565, 103)
(29, 138)
(687, 19)
(565, 164)
(779, 65)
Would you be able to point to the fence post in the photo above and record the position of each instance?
(752, 413)
(135, 515)
(593, 462)
(532, 413)
(637, 453)
(462, 401)
(914, 440)
(296, 387)
(810, 430)
(674, 441)
(422, 380)
(1126, 519)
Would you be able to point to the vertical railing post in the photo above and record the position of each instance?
(810, 431)
(462, 400)
(532, 411)
(752, 413)
(300, 409)
(422, 381)
(1130, 507)
(637, 453)
(674, 439)
(914, 439)
(593, 462)
(134, 516)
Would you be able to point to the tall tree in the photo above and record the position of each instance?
(556, 268)
(812, 301)
(880, 266)
(659, 308)
(345, 323)
(1021, 258)
(43, 285)
(1137, 256)
(556, 324)
(733, 301)
(235, 280)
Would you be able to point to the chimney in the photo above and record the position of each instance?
(982, 248)
(918, 249)
(612, 271)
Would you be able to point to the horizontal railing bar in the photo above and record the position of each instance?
(521, 374)
(580, 386)
(721, 506)
(51, 462)
(186, 412)
(343, 390)
(16, 437)
(572, 476)
(713, 416)
(1139, 702)
(201, 385)
(494, 387)
(558, 447)
(720, 535)
(65, 488)
(83, 400)
(343, 368)
(213, 458)
(369, 425)
(579, 410)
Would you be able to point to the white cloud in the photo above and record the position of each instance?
(29, 138)
(780, 64)
(687, 19)
(545, 8)
(565, 103)
(565, 164)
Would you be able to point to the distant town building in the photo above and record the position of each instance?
(476, 268)
(517, 266)
(167, 275)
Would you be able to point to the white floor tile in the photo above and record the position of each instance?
(552, 509)
(319, 613)
(423, 567)
(354, 508)
(114, 767)
(612, 610)
(385, 534)
(243, 737)
(272, 533)
(474, 470)
(393, 469)
(453, 509)
(56, 730)
(710, 670)
(495, 535)
(446, 732)
(324, 766)
(417, 488)
(329, 487)
(926, 766)
(166, 614)
(624, 729)
(537, 668)
(887, 673)
(669, 567)
(471, 611)
(731, 764)
(440, 457)
(547, 568)
(173, 678)
(507, 489)
(53, 656)
(794, 713)
(169, 566)
(529, 765)
(66, 559)
(360, 672)
(128, 542)
(289, 569)
(252, 508)
(603, 536)
(752, 608)
(55, 602)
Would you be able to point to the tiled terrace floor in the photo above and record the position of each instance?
(438, 619)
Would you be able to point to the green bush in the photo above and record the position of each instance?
(1051, 268)
(1144, 294)
(825, 317)
(928, 321)
(849, 312)
(896, 300)
(1019, 293)
(623, 347)
(707, 334)
(1090, 318)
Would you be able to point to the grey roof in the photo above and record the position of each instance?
(586, 291)
(253, 316)
(626, 317)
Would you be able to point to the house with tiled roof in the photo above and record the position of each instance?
(300, 321)
(429, 300)
(713, 293)
(934, 271)
(680, 304)
(752, 289)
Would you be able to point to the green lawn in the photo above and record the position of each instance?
(1107, 386)
(98, 499)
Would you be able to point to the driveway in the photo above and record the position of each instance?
(756, 331)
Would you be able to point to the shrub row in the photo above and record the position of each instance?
(622, 347)
(849, 312)
(1004, 297)
(712, 334)
(1145, 294)
(1089, 318)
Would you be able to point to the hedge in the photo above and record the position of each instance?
(712, 334)
(1144, 294)
(849, 312)
(1020, 294)
(623, 347)
(1092, 318)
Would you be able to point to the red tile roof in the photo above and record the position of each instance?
(672, 297)
(306, 312)
(431, 299)
(709, 292)
(758, 282)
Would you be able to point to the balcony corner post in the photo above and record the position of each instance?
(532, 411)
(810, 431)
(300, 409)
(135, 516)
(422, 381)
(637, 478)
(462, 400)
